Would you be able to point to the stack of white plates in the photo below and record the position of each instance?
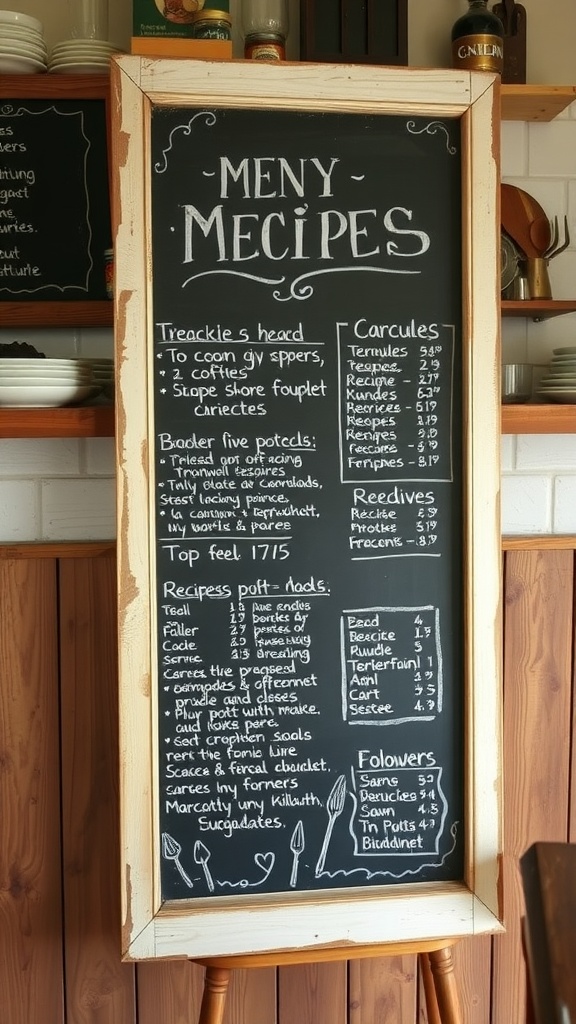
(559, 384)
(81, 57)
(22, 47)
(103, 373)
(32, 383)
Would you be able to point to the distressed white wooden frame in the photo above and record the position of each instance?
(342, 918)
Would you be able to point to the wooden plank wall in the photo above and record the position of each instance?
(59, 837)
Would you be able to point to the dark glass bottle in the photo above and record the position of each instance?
(478, 39)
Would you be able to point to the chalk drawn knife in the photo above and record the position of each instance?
(297, 846)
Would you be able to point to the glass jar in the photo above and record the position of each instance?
(210, 23)
(265, 26)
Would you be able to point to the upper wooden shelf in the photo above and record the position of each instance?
(98, 421)
(69, 421)
(99, 313)
(535, 102)
(537, 309)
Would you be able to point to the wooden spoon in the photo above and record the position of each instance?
(518, 211)
(541, 234)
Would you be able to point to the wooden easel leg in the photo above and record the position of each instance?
(216, 982)
(432, 1010)
(442, 968)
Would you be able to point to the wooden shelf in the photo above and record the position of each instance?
(57, 314)
(537, 309)
(538, 419)
(98, 421)
(70, 421)
(535, 102)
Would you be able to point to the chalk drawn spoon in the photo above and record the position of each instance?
(201, 856)
(297, 846)
(171, 850)
(334, 806)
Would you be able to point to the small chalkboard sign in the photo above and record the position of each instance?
(323, 653)
(54, 198)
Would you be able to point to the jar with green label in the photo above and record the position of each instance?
(210, 23)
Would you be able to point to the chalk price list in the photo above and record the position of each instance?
(241, 493)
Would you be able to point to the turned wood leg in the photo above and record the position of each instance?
(214, 996)
(442, 967)
(432, 1010)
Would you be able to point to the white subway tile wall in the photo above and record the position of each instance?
(52, 490)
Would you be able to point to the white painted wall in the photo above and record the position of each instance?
(64, 489)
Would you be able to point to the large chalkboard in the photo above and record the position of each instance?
(54, 199)
(308, 420)
(307, 341)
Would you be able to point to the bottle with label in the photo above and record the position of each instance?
(265, 25)
(478, 39)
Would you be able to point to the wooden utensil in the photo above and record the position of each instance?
(518, 211)
(541, 234)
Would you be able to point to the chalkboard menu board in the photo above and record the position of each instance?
(54, 199)
(307, 342)
(307, 427)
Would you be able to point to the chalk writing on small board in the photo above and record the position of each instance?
(307, 403)
(54, 200)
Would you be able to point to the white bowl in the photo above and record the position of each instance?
(39, 361)
(14, 65)
(16, 18)
(47, 382)
(28, 35)
(32, 396)
(23, 50)
(568, 350)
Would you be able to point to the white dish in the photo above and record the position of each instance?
(24, 50)
(97, 44)
(79, 69)
(15, 18)
(80, 54)
(38, 361)
(24, 35)
(52, 376)
(566, 351)
(10, 65)
(80, 58)
(566, 396)
(45, 382)
(80, 46)
(33, 396)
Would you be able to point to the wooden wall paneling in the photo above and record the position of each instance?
(538, 595)
(31, 963)
(313, 993)
(169, 992)
(98, 986)
(473, 967)
(252, 997)
(382, 989)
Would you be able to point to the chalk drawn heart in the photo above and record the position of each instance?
(264, 861)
